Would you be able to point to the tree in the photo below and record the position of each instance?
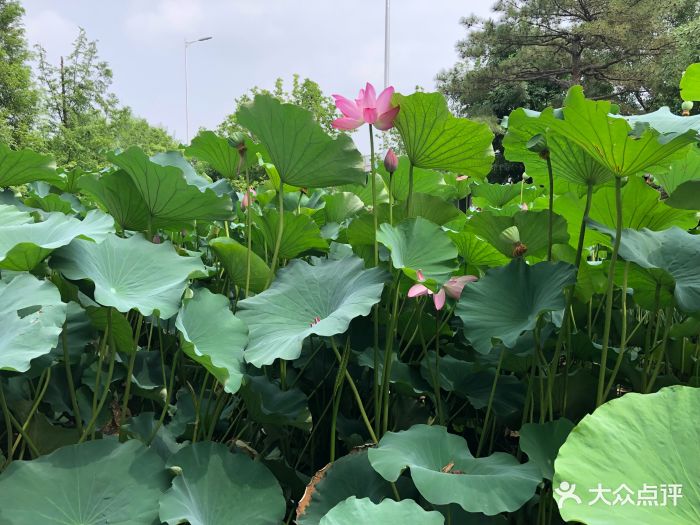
(82, 118)
(18, 98)
(535, 50)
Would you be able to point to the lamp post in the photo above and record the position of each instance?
(188, 43)
(386, 43)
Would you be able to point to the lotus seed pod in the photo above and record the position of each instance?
(686, 107)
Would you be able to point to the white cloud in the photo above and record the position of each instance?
(163, 19)
(52, 31)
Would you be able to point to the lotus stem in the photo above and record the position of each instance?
(278, 241)
(386, 376)
(71, 383)
(569, 300)
(489, 407)
(374, 194)
(35, 406)
(550, 224)
(130, 370)
(667, 328)
(248, 228)
(356, 394)
(623, 336)
(110, 373)
(166, 401)
(375, 308)
(609, 296)
(8, 423)
(436, 382)
(409, 199)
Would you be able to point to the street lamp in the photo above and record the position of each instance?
(387, 27)
(188, 43)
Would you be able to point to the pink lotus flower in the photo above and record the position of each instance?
(246, 202)
(367, 108)
(523, 206)
(453, 288)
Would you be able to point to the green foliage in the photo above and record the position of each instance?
(172, 351)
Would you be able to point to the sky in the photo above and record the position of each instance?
(337, 43)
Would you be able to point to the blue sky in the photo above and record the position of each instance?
(337, 43)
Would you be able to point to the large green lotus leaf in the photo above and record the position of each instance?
(494, 484)
(302, 152)
(364, 191)
(31, 316)
(269, 405)
(496, 195)
(217, 487)
(639, 442)
(130, 273)
(217, 151)
(541, 442)
(643, 283)
(233, 257)
(690, 82)
(475, 251)
(350, 475)
(93, 483)
(675, 251)
(175, 158)
(663, 121)
(418, 244)
(569, 162)
(686, 196)
(213, 337)
(23, 246)
(23, 166)
(407, 512)
(608, 139)
(641, 208)
(116, 192)
(435, 139)
(281, 317)
(429, 207)
(425, 181)
(340, 206)
(11, 215)
(526, 227)
(680, 171)
(508, 300)
(170, 200)
(299, 233)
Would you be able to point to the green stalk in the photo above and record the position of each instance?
(387, 357)
(71, 384)
(550, 223)
(355, 393)
(248, 228)
(490, 404)
(409, 199)
(166, 401)
(278, 241)
(609, 297)
(110, 373)
(664, 344)
(375, 308)
(436, 382)
(569, 300)
(338, 392)
(623, 337)
(391, 199)
(8, 423)
(130, 370)
(35, 406)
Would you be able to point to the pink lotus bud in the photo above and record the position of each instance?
(391, 161)
(248, 198)
(523, 206)
(156, 239)
(420, 276)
